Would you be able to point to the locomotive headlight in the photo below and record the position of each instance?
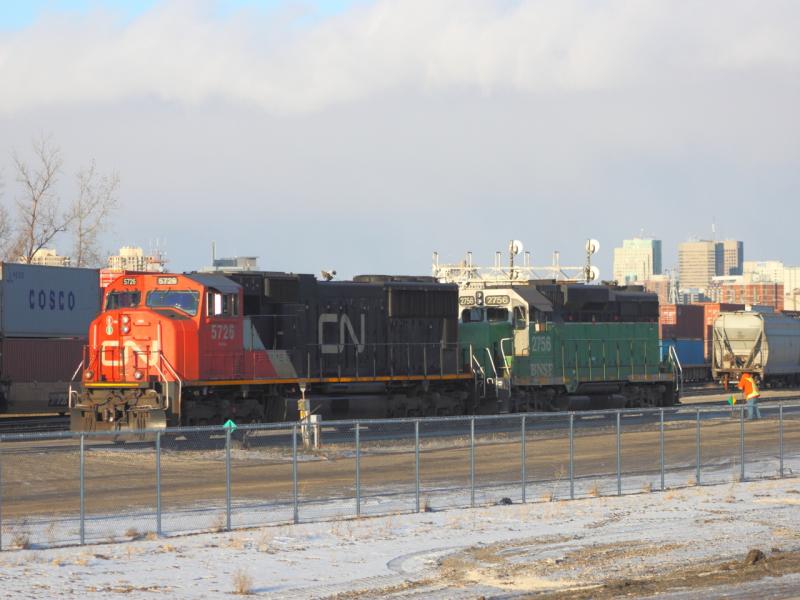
(88, 374)
(125, 329)
(125, 319)
(137, 374)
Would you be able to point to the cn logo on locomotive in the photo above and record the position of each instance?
(345, 329)
(130, 349)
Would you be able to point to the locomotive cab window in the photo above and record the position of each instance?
(222, 305)
(123, 300)
(520, 318)
(496, 315)
(182, 300)
(472, 315)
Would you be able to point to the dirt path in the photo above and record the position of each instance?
(38, 482)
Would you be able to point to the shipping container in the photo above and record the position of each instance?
(38, 301)
(684, 321)
(39, 359)
(690, 351)
(35, 373)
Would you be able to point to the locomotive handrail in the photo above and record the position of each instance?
(75, 374)
(164, 379)
(506, 368)
(476, 363)
(174, 374)
(491, 362)
(673, 354)
(70, 391)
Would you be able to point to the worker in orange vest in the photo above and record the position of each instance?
(747, 384)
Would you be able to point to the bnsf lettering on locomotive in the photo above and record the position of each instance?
(51, 300)
(345, 328)
(541, 369)
(129, 281)
(497, 300)
(466, 300)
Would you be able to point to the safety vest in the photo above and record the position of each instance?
(748, 385)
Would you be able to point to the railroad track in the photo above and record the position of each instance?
(33, 424)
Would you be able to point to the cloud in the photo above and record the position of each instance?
(185, 52)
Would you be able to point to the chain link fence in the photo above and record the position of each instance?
(70, 488)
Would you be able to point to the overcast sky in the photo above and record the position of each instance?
(364, 135)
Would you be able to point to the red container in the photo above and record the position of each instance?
(682, 321)
(711, 311)
(40, 360)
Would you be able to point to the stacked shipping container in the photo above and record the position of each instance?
(681, 326)
(45, 314)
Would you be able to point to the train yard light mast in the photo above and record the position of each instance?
(468, 274)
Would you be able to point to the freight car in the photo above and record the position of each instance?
(766, 345)
(542, 345)
(200, 348)
(44, 316)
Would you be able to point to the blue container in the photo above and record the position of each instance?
(690, 351)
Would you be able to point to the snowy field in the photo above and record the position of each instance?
(593, 546)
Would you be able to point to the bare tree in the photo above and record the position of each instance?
(5, 225)
(5, 230)
(39, 218)
(97, 199)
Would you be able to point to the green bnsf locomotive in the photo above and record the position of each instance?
(544, 345)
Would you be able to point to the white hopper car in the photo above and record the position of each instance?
(766, 345)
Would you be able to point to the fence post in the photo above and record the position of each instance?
(741, 443)
(358, 470)
(296, 516)
(82, 492)
(228, 478)
(780, 435)
(158, 483)
(697, 449)
(619, 454)
(1, 502)
(416, 461)
(523, 474)
(571, 456)
(661, 445)
(472, 462)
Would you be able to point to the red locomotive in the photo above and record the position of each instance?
(199, 348)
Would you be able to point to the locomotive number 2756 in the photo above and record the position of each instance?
(222, 332)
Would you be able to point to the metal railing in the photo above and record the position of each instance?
(64, 488)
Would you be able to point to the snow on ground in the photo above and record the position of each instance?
(491, 550)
